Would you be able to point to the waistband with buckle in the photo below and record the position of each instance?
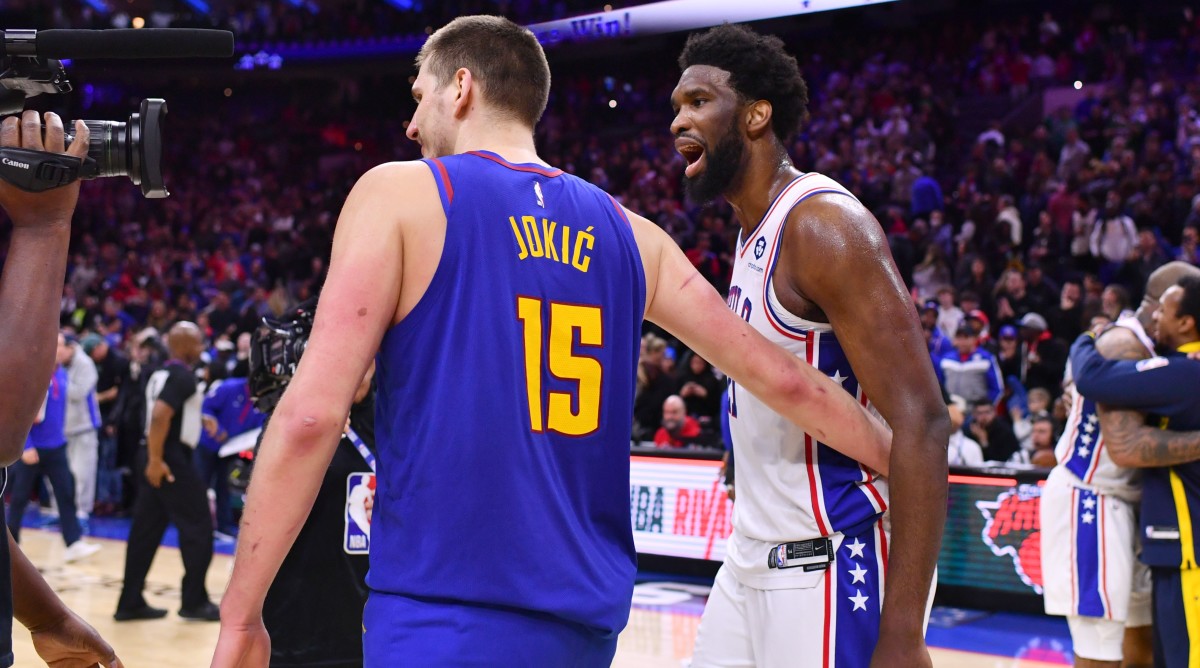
(813, 555)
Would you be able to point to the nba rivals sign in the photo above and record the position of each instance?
(679, 507)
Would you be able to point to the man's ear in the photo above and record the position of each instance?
(758, 116)
(464, 82)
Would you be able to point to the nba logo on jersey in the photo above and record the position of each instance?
(360, 501)
(537, 190)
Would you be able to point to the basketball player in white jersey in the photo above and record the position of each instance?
(807, 580)
(1090, 570)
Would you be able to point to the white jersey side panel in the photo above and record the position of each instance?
(1080, 450)
(789, 486)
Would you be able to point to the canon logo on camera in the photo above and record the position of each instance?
(14, 163)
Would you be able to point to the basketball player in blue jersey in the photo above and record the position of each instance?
(503, 300)
(812, 272)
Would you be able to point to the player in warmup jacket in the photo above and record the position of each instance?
(1092, 576)
(1164, 389)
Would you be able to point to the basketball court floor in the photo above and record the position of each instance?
(662, 623)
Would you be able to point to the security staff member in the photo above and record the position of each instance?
(313, 610)
(1165, 388)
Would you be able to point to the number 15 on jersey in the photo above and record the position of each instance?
(568, 413)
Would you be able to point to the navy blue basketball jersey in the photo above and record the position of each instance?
(505, 402)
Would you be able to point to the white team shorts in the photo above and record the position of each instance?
(747, 627)
(1090, 570)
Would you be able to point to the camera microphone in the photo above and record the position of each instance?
(119, 43)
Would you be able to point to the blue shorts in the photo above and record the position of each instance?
(401, 631)
(1176, 617)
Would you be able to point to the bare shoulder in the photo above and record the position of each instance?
(404, 193)
(834, 225)
(1119, 343)
(398, 178)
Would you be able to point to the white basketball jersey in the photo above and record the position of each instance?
(1080, 450)
(789, 486)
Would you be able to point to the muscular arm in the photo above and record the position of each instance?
(834, 254)
(683, 303)
(1106, 371)
(32, 282)
(160, 424)
(1132, 444)
(355, 310)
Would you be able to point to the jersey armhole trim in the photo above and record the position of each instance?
(445, 187)
(620, 210)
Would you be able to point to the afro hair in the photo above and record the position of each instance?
(759, 67)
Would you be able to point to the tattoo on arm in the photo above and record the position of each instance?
(1131, 443)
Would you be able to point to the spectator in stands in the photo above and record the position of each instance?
(699, 388)
(1045, 356)
(1043, 442)
(45, 454)
(678, 429)
(932, 274)
(977, 281)
(82, 422)
(1189, 249)
(962, 450)
(939, 344)
(1113, 238)
(1012, 299)
(970, 371)
(950, 316)
(1148, 255)
(1041, 292)
(1065, 319)
(227, 411)
(993, 433)
(112, 377)
(1075, 152)
(1114, 302)
(1008, 355)
(1037, 404)
(981, 324)
(928, 200)
(654, 385)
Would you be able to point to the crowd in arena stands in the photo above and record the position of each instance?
(1012, 243)
(308, 21)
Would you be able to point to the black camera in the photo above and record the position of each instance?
(275, 350)
(132, 149)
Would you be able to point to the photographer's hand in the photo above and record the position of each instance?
(53, 207)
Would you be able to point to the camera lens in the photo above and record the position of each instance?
(132, 149)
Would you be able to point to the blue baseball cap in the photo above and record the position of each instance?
(1008, 332)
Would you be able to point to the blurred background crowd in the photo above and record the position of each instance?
(1030, 169)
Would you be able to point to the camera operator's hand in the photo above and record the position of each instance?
(156, 471)
(52, 207)
(71, 642)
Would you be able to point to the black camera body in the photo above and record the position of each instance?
(132, 148)
(275, 350)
